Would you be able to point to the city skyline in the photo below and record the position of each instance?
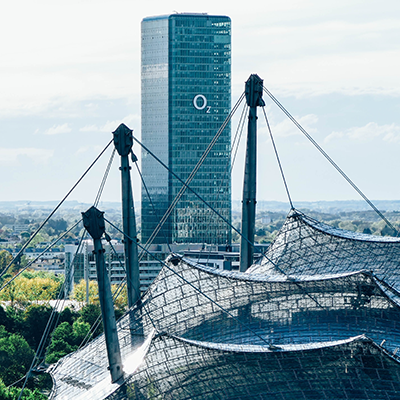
(333, 65)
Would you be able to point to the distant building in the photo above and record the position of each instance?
(51, 260)
(17, 229)
(81, 263)
(186, 97)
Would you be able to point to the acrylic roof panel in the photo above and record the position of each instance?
(179, 370)
(227, 311)
(304, 246)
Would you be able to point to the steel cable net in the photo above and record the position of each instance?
(223, 335)
(305, 246)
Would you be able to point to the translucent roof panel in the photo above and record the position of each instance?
(197, 312)
(304, 246)
(175, 369)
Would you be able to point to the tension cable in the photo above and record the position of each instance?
(341, 172)
(53, 212)
(278, 159)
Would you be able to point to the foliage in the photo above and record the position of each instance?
(5, 259)
(6, 219)
(36, 318)
(14, 320)
(57, 225)
(12, 393)
(32, 286)
(65, 339)
(90, 314)
(68, 315)
(79, 294)
(15, 356)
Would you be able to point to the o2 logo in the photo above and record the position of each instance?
(200, 103)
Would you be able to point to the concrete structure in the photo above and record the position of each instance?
(186, 97)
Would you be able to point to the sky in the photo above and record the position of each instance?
(70, 74)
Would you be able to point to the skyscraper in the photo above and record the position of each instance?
(186, 97)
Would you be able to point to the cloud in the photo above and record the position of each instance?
(58, 129)
(110, 126)
(86, 149)
(287, 128)
(333, 136)
(368, 132)
(38, 156)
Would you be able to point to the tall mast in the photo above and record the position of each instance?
(93, 221)
(254, 90)
(123, 142)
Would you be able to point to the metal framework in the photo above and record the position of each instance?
(305, 246)
(318, 317)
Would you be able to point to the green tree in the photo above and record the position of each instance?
(58, 225)
(15, 356)
(91, 314)
(65, 339)
(35, 321)
(68, 315)
(32, 286)
(5, 259)
(79, 330)
(12, 393)
(60, 343)
(25, 235)
(14, 321)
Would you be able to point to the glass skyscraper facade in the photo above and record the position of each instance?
(186, 97)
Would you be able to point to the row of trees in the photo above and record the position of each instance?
(269, 223)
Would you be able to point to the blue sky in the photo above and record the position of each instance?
(70, 73)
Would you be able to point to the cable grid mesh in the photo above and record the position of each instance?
(318, 318)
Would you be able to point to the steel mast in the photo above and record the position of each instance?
(123, 142)
(254, 91)
(93, 221)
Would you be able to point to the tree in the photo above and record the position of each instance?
(79, 292)
(65, 339)
(15, 356)
(32, 286)
(25, 235)
(12, 393)
(35, 321)
(60, 343)
(67, 315)
(91, 314)
(58, 225)
(14, 321)
(5, 259)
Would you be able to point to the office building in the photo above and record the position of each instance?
(186, 97)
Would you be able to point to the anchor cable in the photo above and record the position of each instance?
(341, 172)
(37, 258)
(196, 289)
(152, 206)
(278, 159)
(103, 182)
(53, 212)
(192, 174)
(45, 334)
